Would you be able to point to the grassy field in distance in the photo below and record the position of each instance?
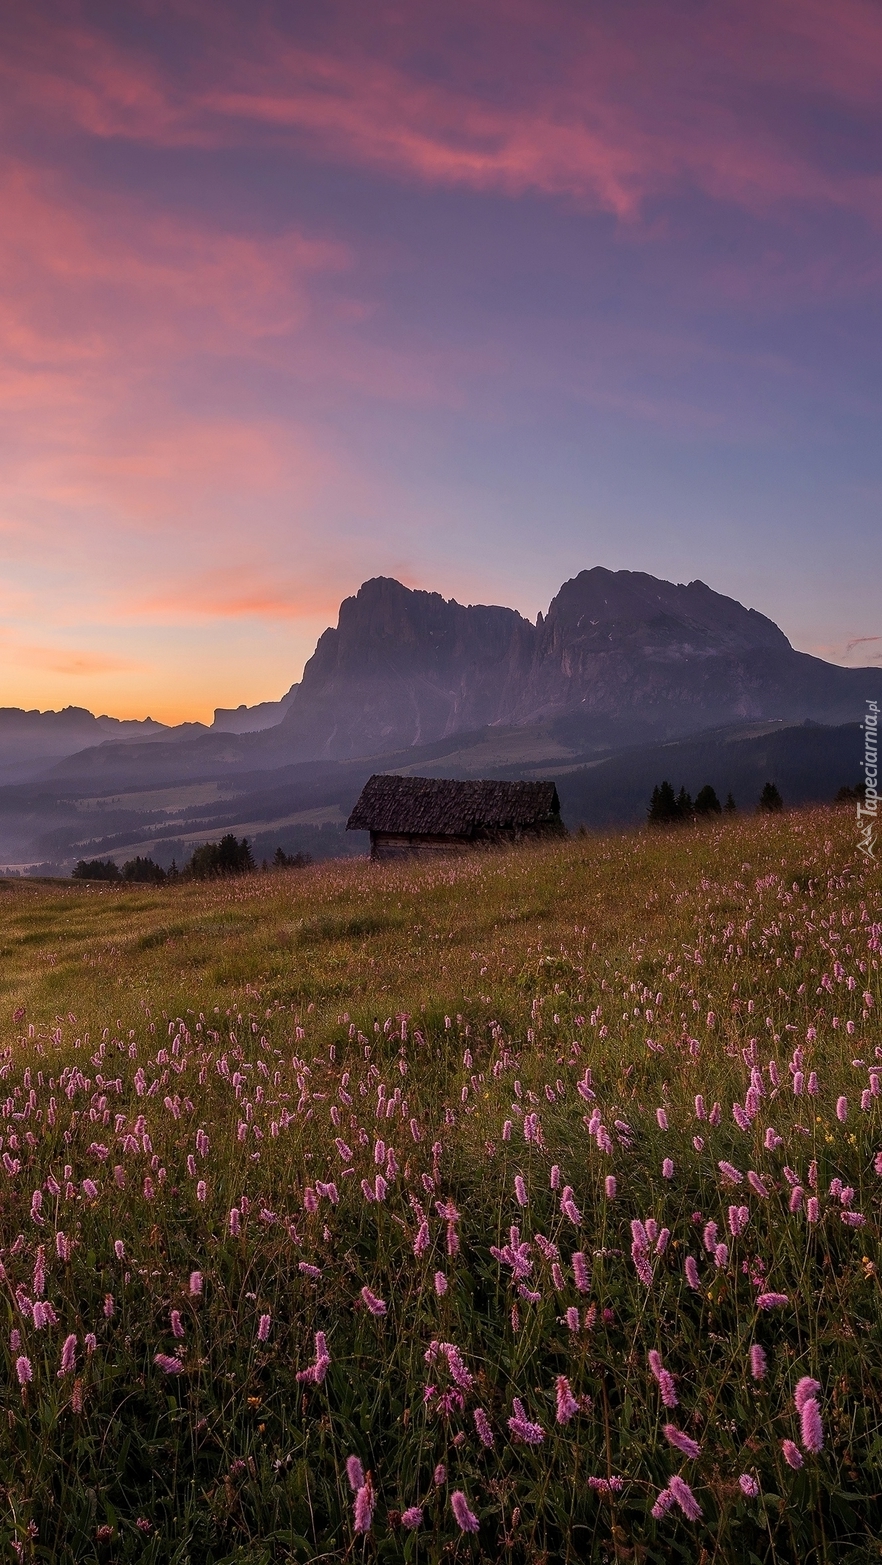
(517, 1207)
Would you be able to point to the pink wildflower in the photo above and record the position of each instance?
(690, 1267)
(177, 1325)
(119, 1249)
(24, 1370)
(522, 1428)
(168, 1364)
(758, 1362)
(748, 1486)
(805, 1387)
(354, 1473)
(684, 1497)
(811, 1425)
(374, 1304)
(482, 1425)
(567, 1405)
(580, 1272)
(466, 1519)
(440, 1284)
(68, 1355)
(668, 1168)
(610, 1186)
(771, 1301)
(263, 1327)
(682, 1442)
(195, 1284)
(521, 1190)
(412, 1517)
(612, 1485)
(663, 1504)
(363, 1510)
(792, 1454)
(842, 1109)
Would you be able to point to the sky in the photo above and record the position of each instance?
(477, 295)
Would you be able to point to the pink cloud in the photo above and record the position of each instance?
(604, 109)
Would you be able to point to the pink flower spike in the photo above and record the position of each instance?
(792, 1454)
(482, 1426)
(354, 1473)
(412, 1517)
(690, 1268)
(440, 1284)
(684, 1497)
(521, 1190)
(610, 1186)
(363, 1511)
(466, 1519)
(263, 1327)
(24, 1370)
(374, 1304)
(567, 1405)
(663, 1504)
(758, 1362)
(195, 1284)
(748, 1486)
(168, 1364)
(811, 1426)
(771, 1301)
(682, 1442)
(68, 1355)
(842, 1110)
(668, 1168)
(805, 1387)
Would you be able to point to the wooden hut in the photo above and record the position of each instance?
(430, 815)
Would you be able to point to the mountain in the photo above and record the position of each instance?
(251, 719)
(32, 740)
(620, 657)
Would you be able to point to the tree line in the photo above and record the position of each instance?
(208, 861)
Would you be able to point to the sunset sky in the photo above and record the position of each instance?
(476, 295)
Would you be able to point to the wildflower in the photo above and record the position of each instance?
(730, 1173)
(610, 1186)
(354, 1473)
(756, 1184)
(233, 1221)
(663, 1504)
(177, 1324)
(363, 1509)
(805, 1387)
(796, 1198)
(572, 1318)
(792, 1454)
(612, 1485)
(68, 1355)
(119, 1249)
(168, 1364)
(662, 1119)
(521, 1427)
(684, 1497)
(568, 1205)
(567, 1404)
(412, 1517)
(758, 1361)
(421, 1242)
(482, 1426)
(440, 1284)
(852, 1219)
(690, 1267)
(721, 1256)
(813, 1209)
(580, 1272)
(771, 1301)
(195, 1284)
(90, 1189)
(24, 1370)
(842, 1109)
(664, 1377)
(811, 1425)
(748, 1486)
(466, 1519)
(263, 1327)
(555, 1177)
(306, 1269)
(683, 1443)
(374, 1304)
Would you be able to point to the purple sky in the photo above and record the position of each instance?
(477, 295)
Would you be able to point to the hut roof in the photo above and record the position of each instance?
(443, 807)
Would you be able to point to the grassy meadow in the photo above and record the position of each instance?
(522, 1207)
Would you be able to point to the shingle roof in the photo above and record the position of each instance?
(441, 806)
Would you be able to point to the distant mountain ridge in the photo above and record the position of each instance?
(621, 658)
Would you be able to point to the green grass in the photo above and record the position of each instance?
(283, 1013)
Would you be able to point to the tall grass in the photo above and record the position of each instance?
(445, 1117)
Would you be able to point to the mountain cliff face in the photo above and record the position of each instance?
(620, 656)
(404, 668)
